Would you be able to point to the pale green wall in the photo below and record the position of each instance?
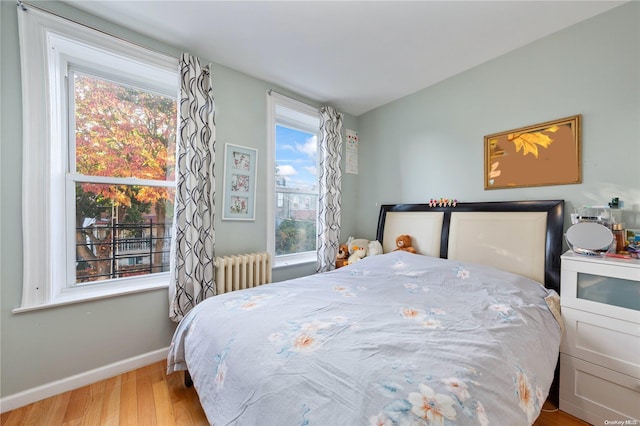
(47, 345)
(430, 144)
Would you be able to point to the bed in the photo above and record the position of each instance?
(465, 332)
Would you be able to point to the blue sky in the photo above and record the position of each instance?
(296, 153)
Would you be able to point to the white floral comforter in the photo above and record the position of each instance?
(395, 339)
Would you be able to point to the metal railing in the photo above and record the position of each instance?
(122, 250)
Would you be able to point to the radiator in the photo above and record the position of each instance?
(242, 271)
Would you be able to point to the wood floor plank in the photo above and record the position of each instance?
(15, 417)
(162, 403)
(110, 415)
(186, 415)
(93, 409)
(129, 376)
(158, 373)
(77, 405)
(128, 401)
(59, 409)
(38, 411)
(144, 390)
(148, 396)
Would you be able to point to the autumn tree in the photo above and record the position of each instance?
(122, 132)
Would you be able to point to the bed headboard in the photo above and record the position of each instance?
(524, 237)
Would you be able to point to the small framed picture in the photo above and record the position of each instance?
(239, 198)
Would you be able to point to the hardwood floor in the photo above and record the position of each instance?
(147, 397)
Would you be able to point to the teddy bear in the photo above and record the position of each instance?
(343, 255)
(358, 253)
(403, 242)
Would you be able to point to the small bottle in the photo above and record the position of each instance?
(619, 234)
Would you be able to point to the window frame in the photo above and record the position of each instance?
(48, 44)
(275, 100)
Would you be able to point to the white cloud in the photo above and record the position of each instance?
(312, 169)
(310, 147)
(287, 170)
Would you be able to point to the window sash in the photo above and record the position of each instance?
(70, 107)
(70, 212)
(73, 177)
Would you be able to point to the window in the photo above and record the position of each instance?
(292, 174)
(99, 167)
(122, 177)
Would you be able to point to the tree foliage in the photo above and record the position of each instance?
(124, 132)
(295, 236)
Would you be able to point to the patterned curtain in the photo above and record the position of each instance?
(193, 248)
(330, 187)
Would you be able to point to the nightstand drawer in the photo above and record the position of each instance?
(602, 286)
(605, 341)
(597, 394)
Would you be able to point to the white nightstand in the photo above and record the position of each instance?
(600, 350)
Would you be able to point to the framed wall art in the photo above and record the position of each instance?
(239, 198)
(538, 155)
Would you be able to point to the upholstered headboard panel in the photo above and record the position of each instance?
(424, 226)
(511, 241)
(524, 237)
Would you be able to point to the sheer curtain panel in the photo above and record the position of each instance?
(193, 251)
(330, 187)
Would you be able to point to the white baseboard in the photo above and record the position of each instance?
(29, 396)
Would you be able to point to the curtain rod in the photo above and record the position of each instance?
(24, 6)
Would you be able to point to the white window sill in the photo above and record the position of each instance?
(294, 260)
(97, 291)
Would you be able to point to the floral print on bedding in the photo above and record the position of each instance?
(395, 339)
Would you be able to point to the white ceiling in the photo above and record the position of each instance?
(355, 55)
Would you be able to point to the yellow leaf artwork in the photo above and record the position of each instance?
(555, 155)
(529, 142)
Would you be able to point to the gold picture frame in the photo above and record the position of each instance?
(538, 155)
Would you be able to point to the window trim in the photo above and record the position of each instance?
(274, 100)
(45, 163)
